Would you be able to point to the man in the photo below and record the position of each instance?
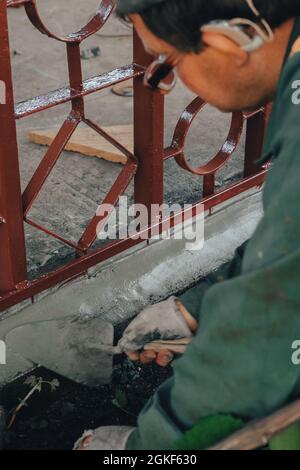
(237, 55)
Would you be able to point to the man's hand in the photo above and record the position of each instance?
(158, 333)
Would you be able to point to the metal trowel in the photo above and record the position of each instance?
(74, 348)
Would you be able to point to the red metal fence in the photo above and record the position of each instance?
(144, 165)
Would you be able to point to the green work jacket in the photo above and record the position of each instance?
(240, 362)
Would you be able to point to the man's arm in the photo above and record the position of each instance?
(240, 361)
(161, 320)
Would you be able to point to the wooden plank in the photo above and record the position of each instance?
(259, 433)
(87, 142)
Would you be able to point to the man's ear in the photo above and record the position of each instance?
(226, 46)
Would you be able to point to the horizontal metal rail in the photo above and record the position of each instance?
(66, 94)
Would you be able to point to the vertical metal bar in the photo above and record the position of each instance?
(208, 185)
(148, 136)
(256, 127)
(12, 239)
(75, 76)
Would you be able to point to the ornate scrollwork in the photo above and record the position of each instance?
(181, 132)
(100, 17)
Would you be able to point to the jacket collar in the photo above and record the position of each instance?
(271, 131)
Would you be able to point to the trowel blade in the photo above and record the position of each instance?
(79, 350)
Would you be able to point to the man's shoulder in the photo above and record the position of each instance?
(283, 136)
(284, 125)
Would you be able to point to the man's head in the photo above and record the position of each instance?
(211, 64)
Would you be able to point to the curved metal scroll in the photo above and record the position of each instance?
(102, 14)
(181, 132)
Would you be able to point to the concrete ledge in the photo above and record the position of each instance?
(118, 289)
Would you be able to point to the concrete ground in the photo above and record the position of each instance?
(39, 66)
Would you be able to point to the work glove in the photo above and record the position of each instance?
(104, 438)
(158, 333)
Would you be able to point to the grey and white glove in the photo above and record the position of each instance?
(104, 438)
(163, 329)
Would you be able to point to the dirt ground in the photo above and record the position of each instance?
(39, 66)
(54, 420)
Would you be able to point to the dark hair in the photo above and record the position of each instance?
(179, 21)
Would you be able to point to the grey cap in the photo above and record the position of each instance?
(125, 7)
